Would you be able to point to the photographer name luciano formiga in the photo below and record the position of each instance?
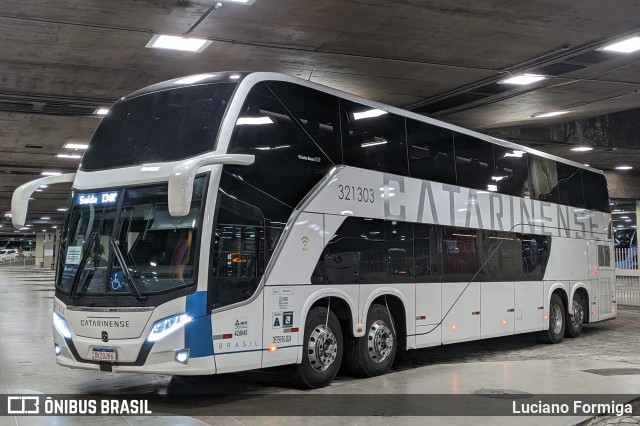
(579, 407)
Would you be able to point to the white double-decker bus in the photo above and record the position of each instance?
(226, 222)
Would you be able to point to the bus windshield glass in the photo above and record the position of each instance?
(166, 125)
(126, 242)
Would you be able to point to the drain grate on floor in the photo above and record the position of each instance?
(614, 371)
(503, 393)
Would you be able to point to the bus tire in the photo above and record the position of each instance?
(373, 354)
(557, 321)
(575, 320)
(321, 350)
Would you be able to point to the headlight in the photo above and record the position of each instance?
(61, 325)
(166, 326)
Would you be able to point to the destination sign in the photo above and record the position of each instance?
(97, 198)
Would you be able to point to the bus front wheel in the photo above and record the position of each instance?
(322, 350)
(373, 354)
(557, 322)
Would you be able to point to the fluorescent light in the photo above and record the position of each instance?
(523, 79)
(549, 114)
(193, 79)
(184, 44)
(582, 149)
(73, 156)
(43, 186)
(51, 173)
(625, 46)
(268, 148)
(101, 111)
(253, 120)
(45, 218)
(62, 210)
(516, 153)
(497, 178)
(492, 188)
(586, 165)
(72, 145)
(367, 144)
(8, 214)
(368, 114)
(624, 168)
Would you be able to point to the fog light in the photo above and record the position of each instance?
(58, 349)
(182, 356)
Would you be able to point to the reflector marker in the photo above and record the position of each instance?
(421, 317)
(475, 313)
(540, 308)
(511, 310)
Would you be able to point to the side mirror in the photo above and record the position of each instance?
(183, 175)
(20, 198)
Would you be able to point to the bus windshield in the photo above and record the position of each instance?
(125, 242)
(166, 125)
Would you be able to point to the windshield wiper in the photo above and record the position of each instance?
(83, 261)
(125, 269)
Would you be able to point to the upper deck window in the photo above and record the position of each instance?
(167, 125)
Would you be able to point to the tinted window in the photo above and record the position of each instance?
(161, 126)
(431, 152)
(535, 255)
(288, 163)
(501, 255)
(399, 251)
(570, 185)
(316, 113)
(595, 191)
(474, 162)
(238, 259)
(511, 175)
(373, 139)
(460, 254)
(428, 253)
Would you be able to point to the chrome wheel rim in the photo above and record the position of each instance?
(380, 341)
(323, 348)
(577, 318)
(555, 319)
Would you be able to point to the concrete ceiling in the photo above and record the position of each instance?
(61, 59)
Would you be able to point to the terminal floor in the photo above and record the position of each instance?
(517, 363)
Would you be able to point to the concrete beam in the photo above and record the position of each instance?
(618, 130)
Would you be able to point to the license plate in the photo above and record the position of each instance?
(104, 354)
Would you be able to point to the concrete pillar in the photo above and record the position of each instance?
(46, 250)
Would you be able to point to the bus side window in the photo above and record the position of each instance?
(373, 140)
(512, 172)
(474, 162)
(430, 152)
(428, 253)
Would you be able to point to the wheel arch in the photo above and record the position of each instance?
(395, 300)
(339, 303)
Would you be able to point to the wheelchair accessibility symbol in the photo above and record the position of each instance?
(117, 281)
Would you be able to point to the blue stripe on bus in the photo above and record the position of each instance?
(197, 304)
(197, 334)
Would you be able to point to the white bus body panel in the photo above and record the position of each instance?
(529, 305)
(497, 309)
(461, 309)
(237, 337)
(428, 305)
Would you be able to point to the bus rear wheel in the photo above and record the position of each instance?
(373, 354)
(322, 350)
(575, 319)
(556, 321)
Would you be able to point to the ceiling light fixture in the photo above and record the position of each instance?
(74, 156)
(45, 218)
(523, 80)
(253, 120)
(194, 78)
(184, 44)
(368, 114)
(51, 173)
(72, 145)
(62, 209)
(582, 149)
(548, 114)
(101, 111)
(625, 46)
(624, 168)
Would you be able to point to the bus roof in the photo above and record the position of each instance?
(249, 79)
